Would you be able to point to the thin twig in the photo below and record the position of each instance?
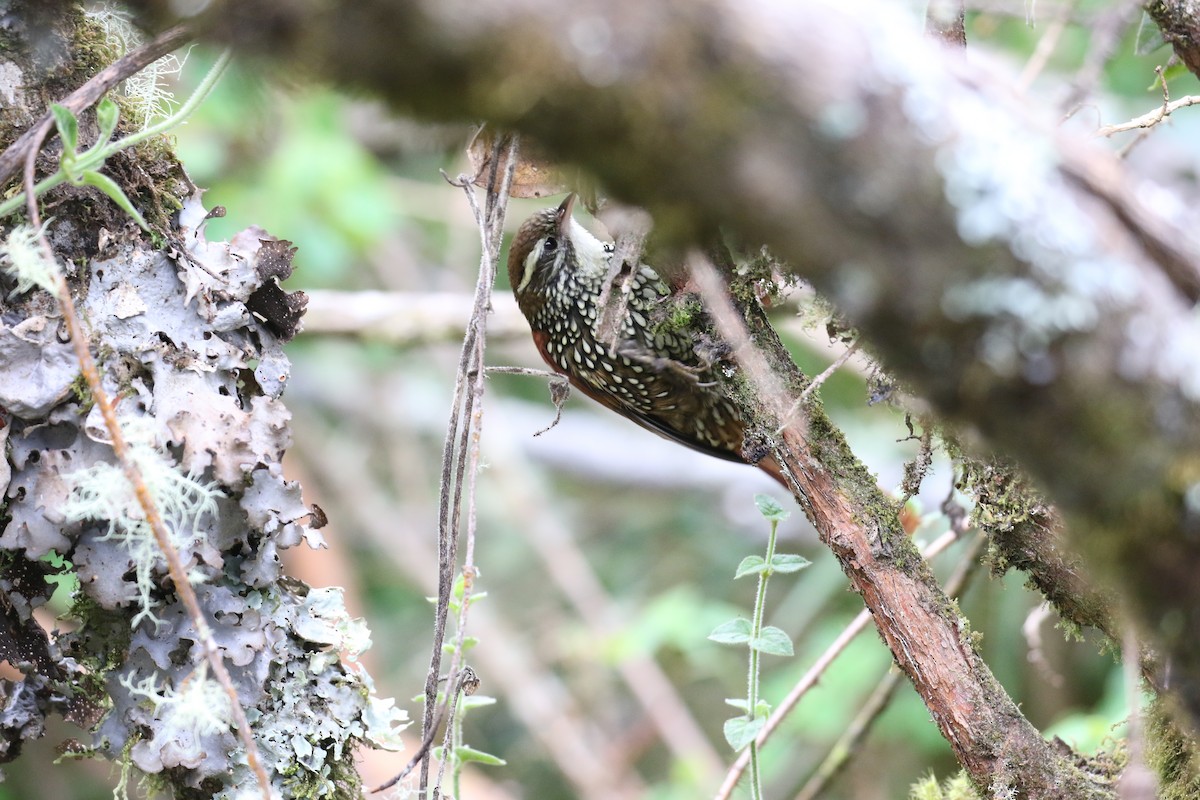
(491, 231)
(1045, 47)
(560, 390)
(626, 253)
(1157, 117)
(467, 683)
(175, 568)
(1031, 629)
(813, 675)
(457, 451)
(547, 708)
(1151, 118)
(83, 97)
(816, 384)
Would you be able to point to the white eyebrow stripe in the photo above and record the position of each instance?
(530, 263)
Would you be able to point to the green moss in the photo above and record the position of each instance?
(106, 627)
(957, 787)
(1171, 753)
(682, 313)
(95, 46)
(304, 785)
(98, 644)
(1004, 499)
(83, 393)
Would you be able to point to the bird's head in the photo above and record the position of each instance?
(551, 241)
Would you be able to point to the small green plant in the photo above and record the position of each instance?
(83, 168)
(456, 752)
(741, 731)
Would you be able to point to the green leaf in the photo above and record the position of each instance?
(740, 703)
(741, 731)
(751, 565)
(735, 631)
(770, 509)
(68, 129)
(110, 188)
(772, 641)
(465, 753)
(1173, 71)
(762, 709)
(476, 701)
(786, 562)
(107, 114)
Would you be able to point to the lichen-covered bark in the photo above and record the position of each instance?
(197, 379)
(1026, 534)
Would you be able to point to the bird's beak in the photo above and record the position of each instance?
(564, 214)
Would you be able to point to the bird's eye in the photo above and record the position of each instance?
(549, 245)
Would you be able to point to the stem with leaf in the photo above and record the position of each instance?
(83, 169)
(741, 732)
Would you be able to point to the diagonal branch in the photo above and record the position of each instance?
(844, 749)
(928, 639)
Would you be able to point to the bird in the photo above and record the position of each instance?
(648, 373)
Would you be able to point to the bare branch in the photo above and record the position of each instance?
(1150, 118)
(913, 616)
(918, 200)
(461, 448)
(846, 746)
